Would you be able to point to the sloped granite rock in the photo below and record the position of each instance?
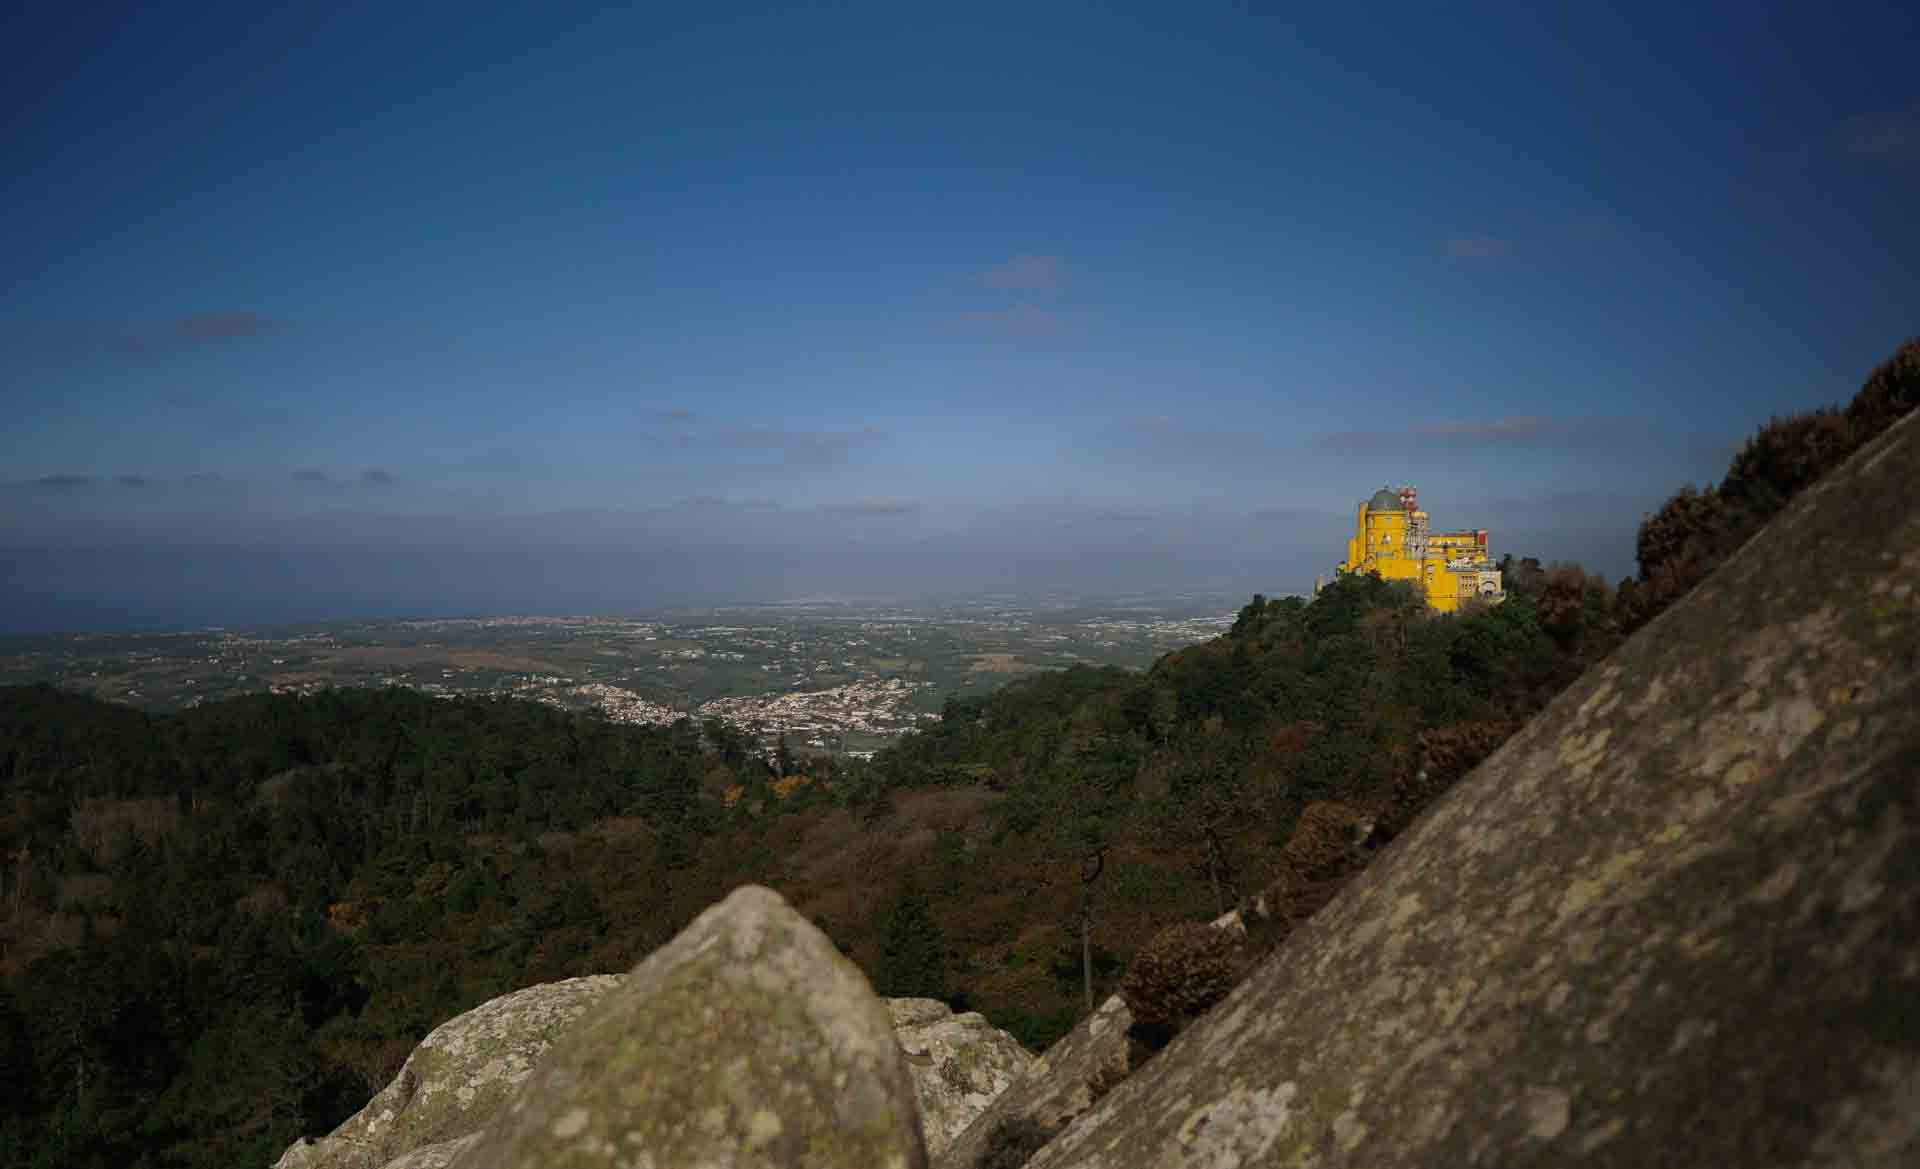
(435, 1156)
(461, 1073)
(960, 1064)
(1674, 921)
(1069, 1079)
(748, 1040)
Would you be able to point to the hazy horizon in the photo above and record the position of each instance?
(354, 312)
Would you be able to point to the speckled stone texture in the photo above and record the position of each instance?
(1074, 1073)
(748, 1040)
(434, 1156)
(1675, 921)
(960, 1064)
(462, 1072)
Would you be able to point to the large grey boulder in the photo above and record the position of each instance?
(748, 1040)
(1084, 1065)
(960, 1064)
(462, 1072)
(1674, 921)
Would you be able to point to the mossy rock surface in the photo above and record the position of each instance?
(748, 1040)
(1062, 1084)
(464, 1071)
(960, 1065)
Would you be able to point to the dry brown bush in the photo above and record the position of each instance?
(1442, 756)
(1181, 972)
(1324, 839)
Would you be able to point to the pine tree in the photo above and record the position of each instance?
(913, 960)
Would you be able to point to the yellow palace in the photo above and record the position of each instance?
(1392, 536)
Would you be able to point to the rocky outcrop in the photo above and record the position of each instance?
(748, 1040)
(455, 1080)
(1674, 921)
(960, 1063)
(1062, 1084)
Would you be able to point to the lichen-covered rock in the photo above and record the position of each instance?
(464, 1070)
(1062, 1084)
(1674, 921)
(960, 1063)
(748, 1040)
(435, 1156)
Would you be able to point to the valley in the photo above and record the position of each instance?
(834, 676)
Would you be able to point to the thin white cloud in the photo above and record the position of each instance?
(1027, 273)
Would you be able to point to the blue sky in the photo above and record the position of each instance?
(454, 307)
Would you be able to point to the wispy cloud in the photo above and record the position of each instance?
(375, 477)
(1026, 321)
(1496, 432)
(1891, 136)
(1478, 247)
(133, 480)
(1168, 437)
(166, 336)
(310, 476)
(1027, 273)
(1023, 282)
(788, 447)
(667, 416)
(62, 482)
(1513, 431)
(200, 328)
(873, 507)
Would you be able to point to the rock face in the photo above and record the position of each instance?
(748, 1040)
(458, 1077)
(960, 1063)
(1059, 1086)
(1674, 921)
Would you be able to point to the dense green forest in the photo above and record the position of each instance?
(224, 928)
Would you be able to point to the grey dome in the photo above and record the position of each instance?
(1384, 500)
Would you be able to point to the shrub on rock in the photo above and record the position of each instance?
(1181, 972)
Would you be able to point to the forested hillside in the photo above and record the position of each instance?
(224, 928)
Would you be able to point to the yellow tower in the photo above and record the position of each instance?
(1392, 537)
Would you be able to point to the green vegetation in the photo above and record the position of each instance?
(225, 927)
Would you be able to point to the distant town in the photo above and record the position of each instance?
(825, 676)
